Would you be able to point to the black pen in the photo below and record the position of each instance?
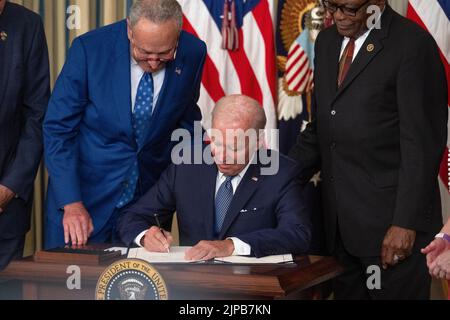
(160, 228)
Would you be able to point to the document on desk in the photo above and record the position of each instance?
(176, 255)
(286, 258)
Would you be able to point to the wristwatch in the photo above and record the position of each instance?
(443, 236)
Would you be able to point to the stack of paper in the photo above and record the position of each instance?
(177, 254)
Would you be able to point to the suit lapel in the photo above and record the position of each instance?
(364, 57)
(5, 59)
(121, 86)
(244, 192)
(170, 85)
(333, 61)
(369, 50)
(208, 189)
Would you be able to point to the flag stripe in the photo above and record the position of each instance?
(210, 74)
(249, 84)
(262, 15)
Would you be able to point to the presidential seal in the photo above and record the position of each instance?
(131, 279)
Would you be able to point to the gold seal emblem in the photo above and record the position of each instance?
(370, 47)
(3, 36)
(131, 279)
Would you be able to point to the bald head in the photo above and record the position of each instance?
(238, 111)
(238, 124)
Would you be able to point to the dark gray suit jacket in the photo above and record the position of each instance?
(24, 94)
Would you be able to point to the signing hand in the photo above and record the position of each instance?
(397, 246)
(77, 224)
(157, 240)
(6, 196)
(440, 268)
(207, 250)
(434, 249)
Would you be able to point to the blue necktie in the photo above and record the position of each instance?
(142, 115)
(223, 200)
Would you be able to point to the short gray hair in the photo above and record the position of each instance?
(157, 11)
(241, 109)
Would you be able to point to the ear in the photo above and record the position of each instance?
(129, 29)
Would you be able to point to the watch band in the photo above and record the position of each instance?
(443, 236)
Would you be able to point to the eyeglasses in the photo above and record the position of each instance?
(166, 56)
(351, 12)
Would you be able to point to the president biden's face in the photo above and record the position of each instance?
(232, 147)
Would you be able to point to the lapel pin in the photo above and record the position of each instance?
(178, 71)
(370, 47)
(3, 36)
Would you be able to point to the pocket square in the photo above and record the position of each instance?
(249, 210)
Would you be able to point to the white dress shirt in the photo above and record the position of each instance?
(240, 248)
(358, 42)
(136, 75)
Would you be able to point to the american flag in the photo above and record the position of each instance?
(299, 65)
(241, 52)
(434, 16)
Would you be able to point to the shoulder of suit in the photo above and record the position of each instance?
(191, 44)
(103, 33)
(408, 31)
(23, 14)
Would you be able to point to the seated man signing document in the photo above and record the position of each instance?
(246, 202)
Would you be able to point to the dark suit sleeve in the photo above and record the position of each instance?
(20, 174)
(140, 216)
(61, 125)
(422, 106)
(293, 231)
(193, 112)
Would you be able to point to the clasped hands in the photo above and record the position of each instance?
(158, 240)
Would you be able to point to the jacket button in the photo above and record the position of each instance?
(333, 113)
(333, 145)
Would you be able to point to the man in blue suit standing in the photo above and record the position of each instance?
(24, 94)
(240, 204)
(107, 133)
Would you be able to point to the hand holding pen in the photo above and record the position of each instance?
(156, 239)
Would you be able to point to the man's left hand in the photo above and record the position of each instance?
(207, 250)
(397, 246)
(6, 196)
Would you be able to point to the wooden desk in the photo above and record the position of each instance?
(43, 281)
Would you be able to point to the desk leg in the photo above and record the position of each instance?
(30, 291)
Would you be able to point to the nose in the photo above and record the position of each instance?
(153, 63)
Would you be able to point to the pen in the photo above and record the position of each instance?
(161, 229)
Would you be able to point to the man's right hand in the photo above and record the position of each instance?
(77, 224)
(157, 240)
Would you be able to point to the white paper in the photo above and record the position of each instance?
(287, 258)
(176, 255)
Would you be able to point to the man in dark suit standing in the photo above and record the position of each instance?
(239, 204)
(379, 134)
(24, 94)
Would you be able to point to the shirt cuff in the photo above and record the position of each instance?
(241, 248)
(138, 239)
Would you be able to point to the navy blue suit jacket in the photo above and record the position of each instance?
(267, 212)
(24, 94)
(88, 133)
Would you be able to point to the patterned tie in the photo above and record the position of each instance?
(346, 61)
(142, 115)
(223, 201)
